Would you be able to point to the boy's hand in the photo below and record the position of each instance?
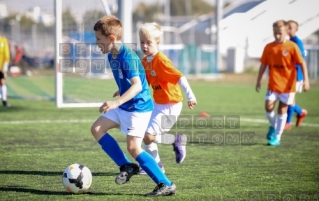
(117, 93)
(108, 105)
(258, 86)
(306, 85)
(191, 104)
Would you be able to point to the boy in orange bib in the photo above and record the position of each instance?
(281, 57)
(166, 82)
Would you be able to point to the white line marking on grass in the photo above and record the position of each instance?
(48, 121)
(266, 121)
(92, 120)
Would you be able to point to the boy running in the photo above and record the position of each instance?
(129, 111)
(166, 81)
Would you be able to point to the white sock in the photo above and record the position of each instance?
(4, 92)
(272, 118)
(281, 121)
(165, 138)
(153, 150)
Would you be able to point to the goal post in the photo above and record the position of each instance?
(80, 83)
(58, 40)
(73, 88)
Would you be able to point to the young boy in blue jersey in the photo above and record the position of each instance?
(301, 113)
(131, 112)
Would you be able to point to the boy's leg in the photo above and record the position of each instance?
(152, 149)
(108, 143)
(149, 165)
(285, 100)
(3, 90)
(290, 113)
(163, 118)
(131, 125)
(270, 102)
(301, 113)
(178, 141)
(280, 123)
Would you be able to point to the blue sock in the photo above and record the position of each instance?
(112, 148)
(149, 165)
(290, 113)
(298, 110)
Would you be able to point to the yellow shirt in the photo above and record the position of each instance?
(4, 51)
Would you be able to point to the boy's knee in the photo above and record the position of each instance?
(95, 130)
(148, 138)
(133, 150)
(269, 109)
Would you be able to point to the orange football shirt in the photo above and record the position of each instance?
(163, 78)
(281, 60)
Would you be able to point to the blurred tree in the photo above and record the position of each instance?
(90, 18)
(24, 22)
(197, 7)
(69, 23)
(145, 12)
(226, 4)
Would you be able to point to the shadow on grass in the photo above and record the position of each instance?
(13, 109)
(45, 192)
(196, 143)
(43, 173)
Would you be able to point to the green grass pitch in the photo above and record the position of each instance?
(38, 141)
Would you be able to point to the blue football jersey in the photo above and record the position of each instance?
(126, 66)
(297, 40)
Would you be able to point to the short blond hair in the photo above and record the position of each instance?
(292, 21)
(279, 24)
(151, 29)
(109, 25)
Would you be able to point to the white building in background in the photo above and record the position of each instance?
(3, 10)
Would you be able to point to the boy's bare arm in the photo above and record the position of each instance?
(128, 95)
(132, 91)
(262, 69)
(305, 73)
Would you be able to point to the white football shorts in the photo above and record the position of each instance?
(287, 98)
(131, 123)
(163, 118)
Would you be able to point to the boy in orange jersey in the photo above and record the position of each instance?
(166, 81)
(281, 57)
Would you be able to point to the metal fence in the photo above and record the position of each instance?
(312, 59)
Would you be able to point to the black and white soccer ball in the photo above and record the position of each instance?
(77, 178)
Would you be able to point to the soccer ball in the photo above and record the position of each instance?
(77, 178)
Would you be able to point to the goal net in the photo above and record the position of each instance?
(82, 77)
(78, 60)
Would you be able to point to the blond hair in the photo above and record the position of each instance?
(151, 29)
(109, 25)
(292, 21)
(279, 24)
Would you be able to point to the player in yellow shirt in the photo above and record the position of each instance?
(166, 82)
(4, 62)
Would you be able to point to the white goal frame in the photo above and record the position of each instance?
(126, 14)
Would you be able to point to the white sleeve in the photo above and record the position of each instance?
(5, 67)
(183, 83)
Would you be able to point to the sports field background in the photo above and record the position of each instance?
(38, 141)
